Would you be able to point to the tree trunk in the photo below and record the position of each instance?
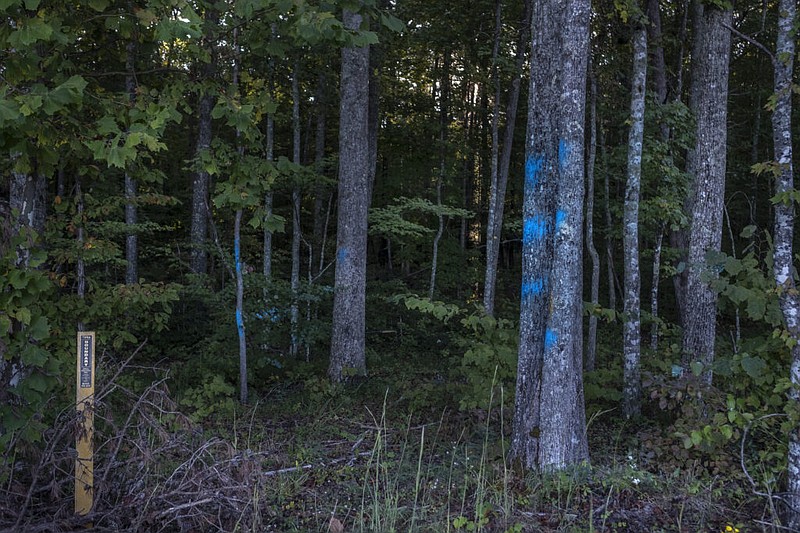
(549, 417)
(198, 263)
(239, 307)
(591, 341)
(497, 195)
(632, 314)
(609, 241)
(270, 149)
(654, 287)
(320, 191)
(131, 239)
(27, 195)
(784, 233)
(492, 234)
(444, 119)
(348, 330)
(710, 93)
(296, 231)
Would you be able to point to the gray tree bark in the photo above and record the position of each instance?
(198, 263)
(709, 103)
(631, 328)
(444, 119)
(131, 215)
(497, 194)
(296, 230)
(784, 232)
(549, 418)
(348, 331)
(591, 342)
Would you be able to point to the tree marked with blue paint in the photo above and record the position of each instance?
(533, 165)
(564, 150)
(534, 229)
(533, 288)
(550, 339)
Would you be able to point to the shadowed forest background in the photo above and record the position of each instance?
(378, 265)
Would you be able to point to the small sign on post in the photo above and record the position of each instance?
(84, 439)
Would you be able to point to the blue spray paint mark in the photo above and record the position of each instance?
(236, 258)
(341, 255)
(534, 229)
(239, 322)
(533, 165)
(550, 339)
(561, 217)
(564, 150)
(532, 288)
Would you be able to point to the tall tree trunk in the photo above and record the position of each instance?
(631, 329)
(270, 149)
(549, 418)
(198, 263)
(497, 194)
(444, 120)
(296, 231)
(710, 94)
(348, 330)
(591, 341)
(609, 241)
(240, 306)
(491, 232)
(784, 232)
(131, 239)
(320, 190)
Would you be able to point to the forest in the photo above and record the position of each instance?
(399, 265)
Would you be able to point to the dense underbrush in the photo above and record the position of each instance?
(394, 452)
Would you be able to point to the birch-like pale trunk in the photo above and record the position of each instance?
(320, 190)
(348, 354)
(631, 326)
(237, 247)
(443, 124)
(709, 103)
(296, 231)
(784, 233)
(237, 232)
(549, 416)
(131, 215)
(609, 241)
(590, 358)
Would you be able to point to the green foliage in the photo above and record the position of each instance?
(211, 396)
(490, 359)
(30, 371)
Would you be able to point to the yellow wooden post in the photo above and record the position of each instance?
(84, 403)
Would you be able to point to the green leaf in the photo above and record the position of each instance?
(697, 368)
(748, 231)
(754, 366)
(5, 4)
(98, 5)
(393, 23)
(31, 31)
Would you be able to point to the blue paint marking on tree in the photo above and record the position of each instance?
(561, 217)
(236, 258)
(532, 167)
(550, 339)
(533, 288)
(239, 322)
(534, 229)
(563, 153)
(341, 255)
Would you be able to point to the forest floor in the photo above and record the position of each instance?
(389, 453)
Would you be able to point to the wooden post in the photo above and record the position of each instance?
(84, 403)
